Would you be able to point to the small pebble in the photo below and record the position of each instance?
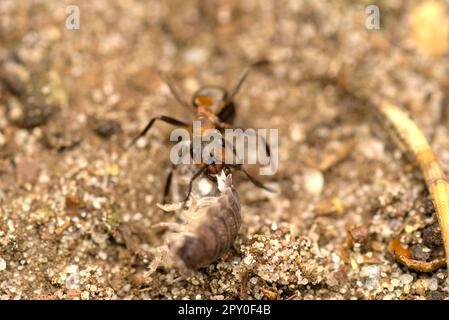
(15, 76)
(313, 181)
(72, 269)
(432, 284)
(196, 55)
(248, 260)
(2, 264)
(102, 255)
(420, 253)
(359, 234)
(27, 169)
(107, 128)
(29, 115)
(432, 236)
(406, 278)
(296, 133)
(395, 282)
(372, 148)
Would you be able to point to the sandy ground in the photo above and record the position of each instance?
(71, 100)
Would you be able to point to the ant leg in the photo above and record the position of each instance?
(226, 115)
(267, 147)
(196, 175)
(166, 119)
(256, 182)
(226, 144)
(175, 92)
(168, 185)
(160, 257)
(172, 226)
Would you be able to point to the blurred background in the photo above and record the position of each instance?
(71, 99)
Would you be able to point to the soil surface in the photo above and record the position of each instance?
(72, 100)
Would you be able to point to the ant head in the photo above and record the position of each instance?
(214, 168)
(213, 165)
(210, 96)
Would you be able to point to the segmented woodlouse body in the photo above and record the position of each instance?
(209, 229)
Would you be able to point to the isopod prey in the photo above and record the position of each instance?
(209, 228)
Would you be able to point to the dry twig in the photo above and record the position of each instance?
(412, 139)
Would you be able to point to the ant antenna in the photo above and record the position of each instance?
(174, 91)
(235, 89)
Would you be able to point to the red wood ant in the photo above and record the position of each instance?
(215, 109)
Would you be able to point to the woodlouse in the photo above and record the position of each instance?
(210, 227)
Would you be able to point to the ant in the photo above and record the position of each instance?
(215, 109)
